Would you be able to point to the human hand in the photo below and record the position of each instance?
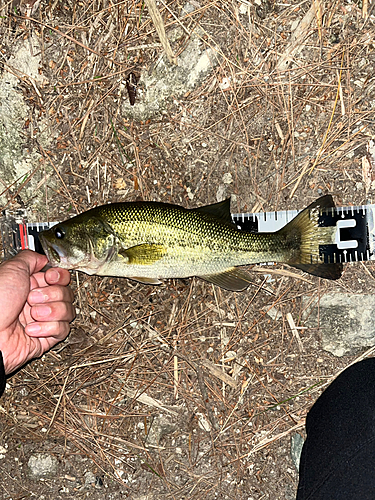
(35, 308)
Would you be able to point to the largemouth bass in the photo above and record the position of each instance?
(149, 241)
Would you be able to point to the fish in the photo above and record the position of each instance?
(149, 241)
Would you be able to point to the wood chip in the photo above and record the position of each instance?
(217, 372)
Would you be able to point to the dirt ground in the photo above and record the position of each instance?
(185, 390)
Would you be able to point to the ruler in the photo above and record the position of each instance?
(18, 234)
(354, 239)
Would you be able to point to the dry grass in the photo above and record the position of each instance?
(287, 112)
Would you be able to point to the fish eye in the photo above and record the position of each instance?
(59, 233)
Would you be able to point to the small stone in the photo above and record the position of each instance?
(92, 481)
(188, 9)
(296, 449)
(190, 193)
(273, 313)
(42, 465)
(227, 178)
(203, 423)
(221, 192)
(243, 9)
(161, 426)
(225, 83)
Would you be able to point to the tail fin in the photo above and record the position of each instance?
(304, 237)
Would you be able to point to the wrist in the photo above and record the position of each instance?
(14, 353)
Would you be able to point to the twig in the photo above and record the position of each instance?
(296, 43)
(293, 327)
(159, 26)
(331, 119)
(219, 373)
(205, 399)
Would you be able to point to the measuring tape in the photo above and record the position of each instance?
(354, 231)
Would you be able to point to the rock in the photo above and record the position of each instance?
(92, 481)
(227, 178)
(42, 465)
(296, 446)
(221, 192)
(346, 322)
(168, 81)
(18, 159)
(161, 426)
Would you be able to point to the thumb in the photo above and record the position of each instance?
(27, 260)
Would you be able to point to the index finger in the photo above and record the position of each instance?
(53, 276)
(57, 276)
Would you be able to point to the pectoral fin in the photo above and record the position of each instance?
(233, 279)
(144, 254)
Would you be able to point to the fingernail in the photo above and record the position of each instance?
(53, 276)
(33, 328)
(42, 311)
(37, 297)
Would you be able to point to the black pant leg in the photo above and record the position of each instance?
(338, 457)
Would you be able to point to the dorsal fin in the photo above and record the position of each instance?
(220, 210)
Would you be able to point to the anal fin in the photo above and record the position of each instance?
(328, 271)
(233, 279)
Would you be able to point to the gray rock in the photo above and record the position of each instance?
(296, 446)
(167, 81)
(161, 426)
(42, 465)
(188, 9)
(346, 322)
(19, 160)
(92, 481)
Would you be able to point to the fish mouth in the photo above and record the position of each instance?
(55, 254)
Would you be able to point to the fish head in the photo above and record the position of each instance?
(83, 243)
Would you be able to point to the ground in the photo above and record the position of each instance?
(184, 390)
